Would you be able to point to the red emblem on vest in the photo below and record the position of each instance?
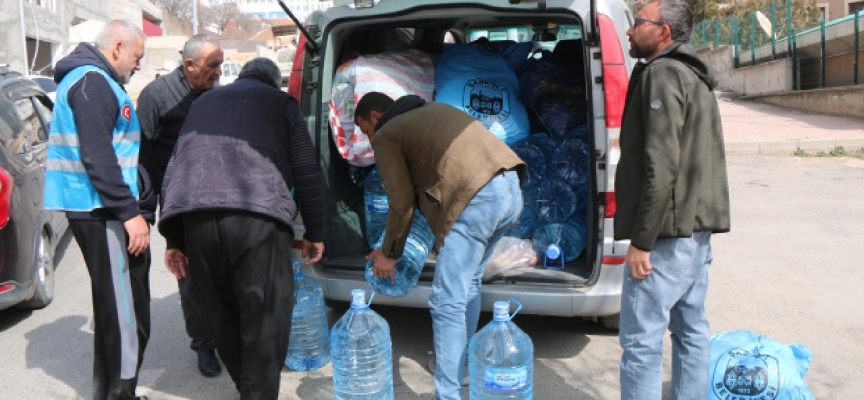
(126, 112)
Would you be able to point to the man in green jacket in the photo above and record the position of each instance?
(672, 194)
(465, 181)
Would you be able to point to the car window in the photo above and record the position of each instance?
(45, 119)
(523, 34)
(10, 129)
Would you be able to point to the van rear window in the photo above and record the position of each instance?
(547, 38)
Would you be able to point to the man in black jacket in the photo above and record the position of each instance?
(228, 207)
(162, 110)
(92, 173)
(673, 194)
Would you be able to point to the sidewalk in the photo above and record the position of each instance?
(756, 128)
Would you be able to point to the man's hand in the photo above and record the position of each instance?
(383, 267)
(640, 262)
(312, 250)
(139, 235)
(176, 263)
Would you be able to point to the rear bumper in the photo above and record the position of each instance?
(12, 297)
(601, 299)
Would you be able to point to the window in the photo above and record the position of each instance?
(856, 6)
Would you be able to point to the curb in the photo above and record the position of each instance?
(789, 146)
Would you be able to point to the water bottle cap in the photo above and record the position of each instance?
(358, 298)
(553, 251)
(501, 310)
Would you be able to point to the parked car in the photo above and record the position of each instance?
(47, 84)
(230, 71)
(28, 233)
(590, 286)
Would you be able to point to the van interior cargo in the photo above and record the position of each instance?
(546, 34)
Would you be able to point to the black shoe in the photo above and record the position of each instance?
(141, 398)
(208, 364)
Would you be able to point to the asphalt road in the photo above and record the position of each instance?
(790, 269)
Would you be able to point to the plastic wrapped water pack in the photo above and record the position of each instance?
(395, 74)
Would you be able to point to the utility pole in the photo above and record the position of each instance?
(194, 17)
(23, 38)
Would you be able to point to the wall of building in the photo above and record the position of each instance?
(846, 101)
(769, 77)
(174, 26)
(839, 71)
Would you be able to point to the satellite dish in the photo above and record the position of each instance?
(765, 23)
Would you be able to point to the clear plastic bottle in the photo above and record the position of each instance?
(501, 358)
(554, 201)
(410, 265)
(534, 159)
(362, 354)
(309, 342)
(571, 162)
(375, 205)
(559, 243)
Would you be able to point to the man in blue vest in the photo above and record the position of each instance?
(92, 174)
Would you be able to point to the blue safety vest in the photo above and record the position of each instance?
(67, 184)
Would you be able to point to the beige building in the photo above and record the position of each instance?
(833, 9)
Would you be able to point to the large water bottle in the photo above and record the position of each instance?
(545, 143)
(554, 201)
(501, 358)
(410, 265)
(362, 353)
(309, 342)
(559, 243)
(571, 162)
(376, 206)
(534, 159)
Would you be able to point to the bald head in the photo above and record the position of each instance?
(122, 43)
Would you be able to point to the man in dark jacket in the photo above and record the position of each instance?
(672, 194)
(228, 207)
(162, 110)
(92, 173)
(466, 183)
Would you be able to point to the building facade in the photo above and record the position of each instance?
(271, 9)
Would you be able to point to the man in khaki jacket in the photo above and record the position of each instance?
(465, 181)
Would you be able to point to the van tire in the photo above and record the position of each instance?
(611, 321)
(43, 275)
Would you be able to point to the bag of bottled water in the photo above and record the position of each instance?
(375, 206)
(309, 342)
(410, 265)
(501, 358)
(362, 353)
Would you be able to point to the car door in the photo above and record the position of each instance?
(43, 107)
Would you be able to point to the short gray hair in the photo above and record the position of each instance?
(118, 30)
(266, 66)
(676, 14)
(192, 48)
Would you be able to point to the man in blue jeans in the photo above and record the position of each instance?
(672, 194)
(466, 183)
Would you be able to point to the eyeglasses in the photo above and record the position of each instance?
(639, 21)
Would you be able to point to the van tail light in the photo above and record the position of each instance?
(615, 79)
(294, 82)
(613, 260)
(6, 287)
(610, 205)
(5, 196)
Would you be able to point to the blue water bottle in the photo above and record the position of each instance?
(554, 201)
(534, 159)
(362, 353)
(410, 265)
(309, 342)
(571, 163)
(559, 243)
(501, 358)
(376, 206)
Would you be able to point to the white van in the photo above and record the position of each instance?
(590, 286)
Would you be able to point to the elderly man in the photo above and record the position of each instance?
(673, 194)
(228, 207)
(162, 110)
(92, 174)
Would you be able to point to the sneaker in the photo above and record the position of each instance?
(465, 379)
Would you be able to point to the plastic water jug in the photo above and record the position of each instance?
(545, 143)
(534, 159)
(309, 342)
(410, 265)
(501, 358)
(571, 163)
(554, 201)
(362, 353)
(559, 243)
(376, 206)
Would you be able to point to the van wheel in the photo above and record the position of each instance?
(611, 322)
(43, 275)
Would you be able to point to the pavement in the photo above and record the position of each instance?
(756, 128)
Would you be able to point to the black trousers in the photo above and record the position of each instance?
(196, 325)
(241, 278)
(120, 285)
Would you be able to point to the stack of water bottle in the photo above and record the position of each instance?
(555, 194)
(417, 246)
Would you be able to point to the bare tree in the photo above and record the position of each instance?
(220, 13)
(180, 8)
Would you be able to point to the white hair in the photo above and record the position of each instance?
(118, 30)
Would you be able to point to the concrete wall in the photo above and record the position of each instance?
(839, 71)
(174, 26)
(846, 101)
(769, 77)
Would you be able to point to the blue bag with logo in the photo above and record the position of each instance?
(478, 80)
(747, 366)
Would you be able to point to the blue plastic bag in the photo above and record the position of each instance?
(747, 366)
(481, 83)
